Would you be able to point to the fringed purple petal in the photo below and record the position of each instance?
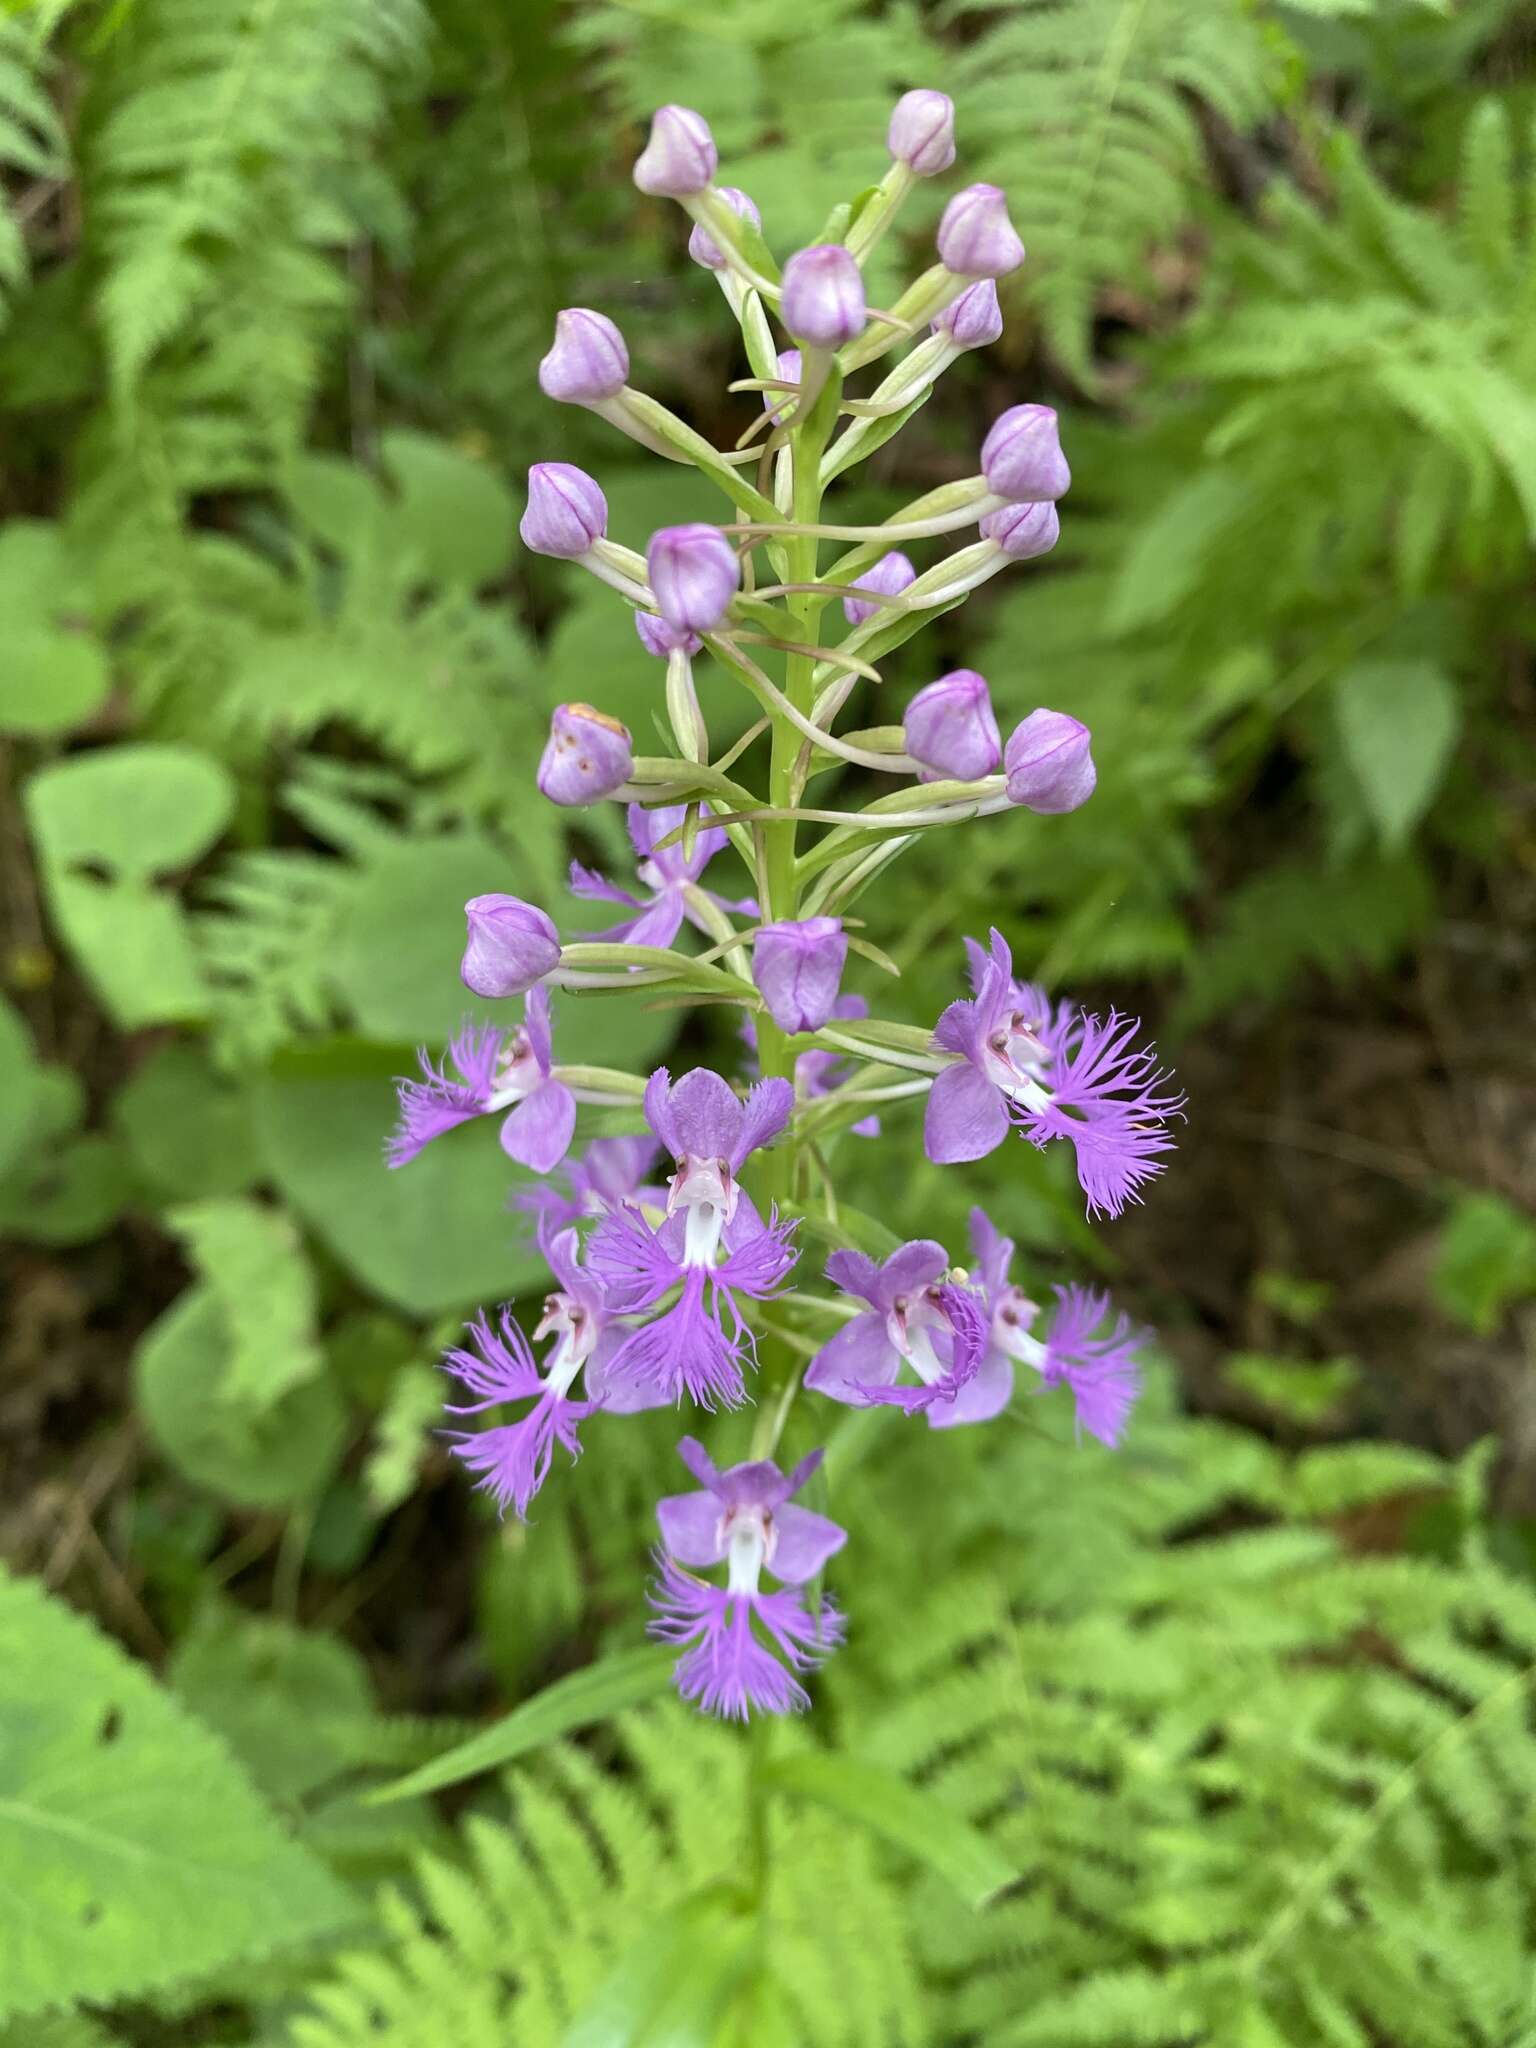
(1103, 1370)
(685, 1351)
(500, 1367)
(512, 1462)
(758, 1261)
(632, 1261)
(1108, 1099)
(725, 1669)
(437, 1102)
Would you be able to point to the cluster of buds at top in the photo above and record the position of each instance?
(672, 1244)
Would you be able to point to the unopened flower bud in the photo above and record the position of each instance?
(566, 511)
(823, 302)
(1023, 530)
(703, 247)
(660, 639)
(890, 576)
(922, 132)
(950, 728)
(680, 158)
(1049, 763)
(798, 968)
(512, 945)
(1021, 457)
(694, 572)
(974, 320)
(588, 360)
(976, 237)
(587, 756)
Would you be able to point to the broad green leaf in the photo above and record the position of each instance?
(188, 1131)
(290, 1702)
(252, 1259)
(627, 1679)
(673, 1985)
(136, 810)
(20, 1079)
(69, 1193)
(52, 680)
(338, 501)
(1486, 1262)
(105, 824)
(137, 1855)
(35, 577)
(434, 1235)
(265, 1460)
(454, 514)
(1398, 721)
(910, 1820)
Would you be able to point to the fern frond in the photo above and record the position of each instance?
(1082, 110)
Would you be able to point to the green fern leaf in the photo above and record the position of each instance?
(149, 1860)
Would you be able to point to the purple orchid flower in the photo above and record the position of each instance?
(818, 1072)
(610, 1172)
(916, 1318)
(1102, 1371)
(713, 1243)
(495, 1073)
(744, 1519)
(667, 874)
(512, 1461)
(1056, 1073)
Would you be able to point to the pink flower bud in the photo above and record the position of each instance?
(823, 302)
(1023, 531)
(694, 573)
(798, 968)
(588, 360)
(512, 945)
(950, 728)
(660, 639)
(922, 132)
(587, 756)
(976, 237)
(1050, 767)
(680, 158)
(566, 511)
(1021, 457)
(974, 320)
(890, 575)
(703, 247)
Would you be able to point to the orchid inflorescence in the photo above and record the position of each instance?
(666, 1275)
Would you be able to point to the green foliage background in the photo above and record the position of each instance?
(1226, 1740)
